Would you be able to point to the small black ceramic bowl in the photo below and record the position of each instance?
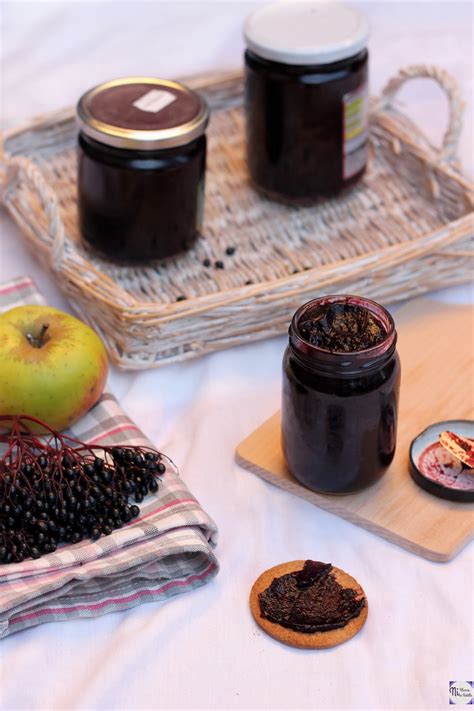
(457, 485)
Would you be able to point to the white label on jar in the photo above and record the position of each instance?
(154, 100)
(356, 120)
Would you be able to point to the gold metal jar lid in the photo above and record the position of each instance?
(142, 113)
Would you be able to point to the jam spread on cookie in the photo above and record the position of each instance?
(310, 600)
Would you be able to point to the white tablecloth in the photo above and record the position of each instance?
(203, 650)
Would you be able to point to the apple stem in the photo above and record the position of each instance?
(38, 341)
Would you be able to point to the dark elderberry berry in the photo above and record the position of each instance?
(106, 530)
(161, 468)
(43, 462)
(153, 486)
(138, 497)
(134, 511)
(88, 469)
(95, 534)
(35, 552)
(76, 537)
(3, 552)
(89, 502)
(106, 476)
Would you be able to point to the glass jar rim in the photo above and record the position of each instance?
(338, 361)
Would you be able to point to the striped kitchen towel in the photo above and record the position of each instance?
(167, 550)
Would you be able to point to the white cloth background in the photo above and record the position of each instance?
(203, 650)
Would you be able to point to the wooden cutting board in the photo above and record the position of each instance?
(436, 351)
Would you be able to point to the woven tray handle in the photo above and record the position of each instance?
(18, 171)
(448, 151)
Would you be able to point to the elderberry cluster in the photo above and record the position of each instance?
(54, 497)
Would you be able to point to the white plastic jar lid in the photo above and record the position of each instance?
(306, 32)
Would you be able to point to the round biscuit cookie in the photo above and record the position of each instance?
(305, 640)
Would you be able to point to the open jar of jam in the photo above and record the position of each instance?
(142, 157)
(341, 380)
(306, 99)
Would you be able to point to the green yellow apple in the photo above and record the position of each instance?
(52, 366)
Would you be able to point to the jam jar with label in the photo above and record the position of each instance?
(306, 99)
(141, 165)
(341, 379)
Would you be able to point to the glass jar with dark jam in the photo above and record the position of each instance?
(142, 158)
(341, 379)
(306, 99)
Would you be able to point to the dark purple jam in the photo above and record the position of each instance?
(310, 600)
(299, 143)
(343, 327)
(141, 163)
(135, 206)
(340, 394)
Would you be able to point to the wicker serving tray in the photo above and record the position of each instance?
(404, 230)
